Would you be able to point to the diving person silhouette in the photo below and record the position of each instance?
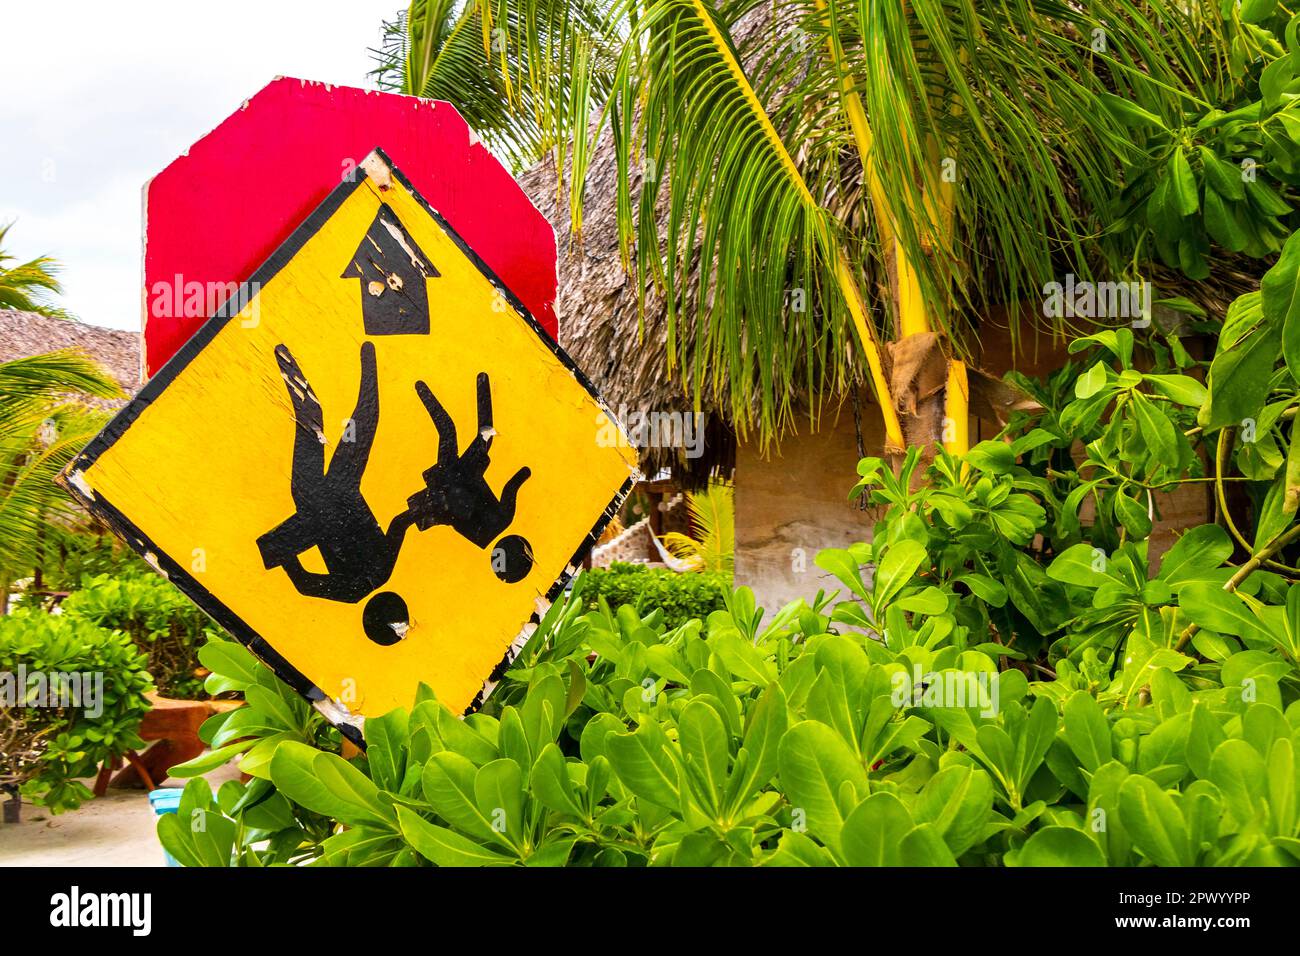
(456, 491)
(331, 513)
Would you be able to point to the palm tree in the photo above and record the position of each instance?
(711, 545)
(516, 72)
(904, 167)
(26, 286)
(42, 427)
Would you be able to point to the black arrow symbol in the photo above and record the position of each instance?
(392, 270)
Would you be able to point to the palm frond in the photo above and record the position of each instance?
(28, 286)
(523, 75)
(712, 544)
(30, 386)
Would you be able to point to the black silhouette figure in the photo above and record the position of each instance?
(332, 515)
(393, 271)
(456, 493)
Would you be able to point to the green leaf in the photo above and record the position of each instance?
(442, 846)
(1128, 112)
(1223, 178)
(210, 760)
(1082, 565)
(957, 802)
(1087, 730)
(768, 722)
(448, 782)
(1222, 225)
(549, 783)
(703, 740)
(1182, 389)
(1215, 609)
(1058, 846)
(1280, 294)
(873, 833)
(1132, 515)
(816, 765)
(386, 741)
(329, 785)
(922, 846)
(895, 570)
(646, 765)
(1154, 822)
(1157, 430)
(1182, 184)
(799, 849)
(1195, 557)
(995, 457)
(499, 795)
(1240, 773)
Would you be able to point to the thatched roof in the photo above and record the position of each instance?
(23, 334)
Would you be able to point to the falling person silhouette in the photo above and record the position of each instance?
(331, 514)
(456, 491)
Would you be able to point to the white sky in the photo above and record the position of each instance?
(98, 96)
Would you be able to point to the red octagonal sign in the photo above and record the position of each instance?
(219, 211)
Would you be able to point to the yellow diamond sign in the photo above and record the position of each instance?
(374, 468)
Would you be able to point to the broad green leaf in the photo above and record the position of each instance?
(873, 833)
(1058, 846)
(816, 764)
(328, 785)
(646, 764)
(1087, 730)
(895, 570)
(1154, 822)
(1215, 609)
(445, 847)
(704, 747)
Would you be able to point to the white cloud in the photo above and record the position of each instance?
(100, 96)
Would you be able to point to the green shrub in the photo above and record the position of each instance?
(72, 695)
(614, 742)
(681, 597)
(159, 618)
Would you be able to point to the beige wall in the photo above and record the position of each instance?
(794, 501)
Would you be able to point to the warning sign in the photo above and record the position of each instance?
(377, 470)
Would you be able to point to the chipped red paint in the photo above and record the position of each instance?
(218, 212)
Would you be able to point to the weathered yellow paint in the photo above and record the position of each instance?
(204, 470)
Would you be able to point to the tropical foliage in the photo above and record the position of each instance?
(711, 545)
(1006, 676)
(28, 286)
(798, 175)
(43, 425)
(158, 618)
(677, 597)
(504, 66)
(72, 696)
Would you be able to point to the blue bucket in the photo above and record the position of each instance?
(166, 800)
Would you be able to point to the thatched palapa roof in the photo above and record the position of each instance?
(23, 334)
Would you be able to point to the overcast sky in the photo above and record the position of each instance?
(96, 97)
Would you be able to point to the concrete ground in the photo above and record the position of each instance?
(117, 829)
